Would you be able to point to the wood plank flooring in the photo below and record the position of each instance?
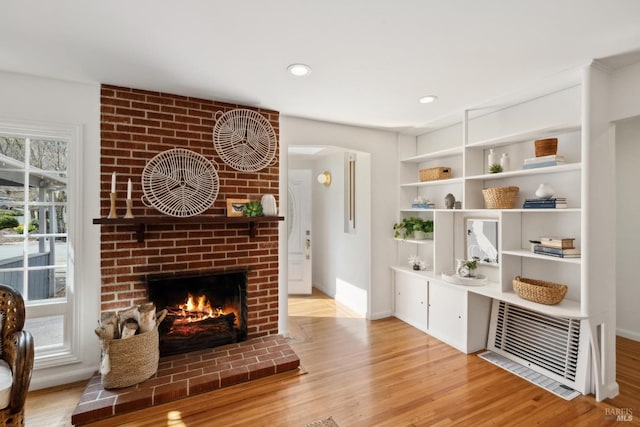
(369, 373)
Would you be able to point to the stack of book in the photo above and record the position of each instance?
(561, 247)
(552, 203)
(543, 161)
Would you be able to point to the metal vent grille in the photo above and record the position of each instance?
(547, 341)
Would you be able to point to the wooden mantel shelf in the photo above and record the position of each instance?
(140, 223)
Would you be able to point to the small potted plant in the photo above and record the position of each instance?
(467, 267)
(495, 168)
(423, 229)
(413, 227)
(416, 263)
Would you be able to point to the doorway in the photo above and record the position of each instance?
(340, 254)
(299, 231)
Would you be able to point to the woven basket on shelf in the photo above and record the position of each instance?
(500, 197)
(546, 147)
(434, 174)
(539, 290)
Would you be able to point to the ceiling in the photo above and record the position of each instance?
(371, 59)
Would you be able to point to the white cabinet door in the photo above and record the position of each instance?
(447, 308)
(411, 300)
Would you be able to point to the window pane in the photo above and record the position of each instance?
(11, 246)
(48, 219)
(12, 148)
(47, 331)
(48, 155)
(60, 283)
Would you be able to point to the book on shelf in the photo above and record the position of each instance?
(543, 164)
(534, 206)
(557, 255)
(562, 253)
(547, 199)
(555, 203)
(542, 159)
(557, 242)
(559, 252)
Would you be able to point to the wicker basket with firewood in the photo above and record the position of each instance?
(130, 350)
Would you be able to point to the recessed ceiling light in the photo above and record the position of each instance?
(299, 70)
(427, 99)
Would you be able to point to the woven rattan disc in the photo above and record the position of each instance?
(244, 140)
(180, 183)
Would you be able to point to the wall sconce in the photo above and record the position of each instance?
(325, 178)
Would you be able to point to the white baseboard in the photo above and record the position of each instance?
(39, 380)
(381, 315)
(632, 335)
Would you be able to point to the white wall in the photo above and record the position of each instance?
(625, 92)
(628, 227)
(342, 261)
(59, 102)
(382, 147)
(625, 104)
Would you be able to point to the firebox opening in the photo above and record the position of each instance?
(204, 310)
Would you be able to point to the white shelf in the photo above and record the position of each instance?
(428, 274)
(438, 182)
(418, 242)
(566, 307)
(527, 172)
(435, 155)
(417, 210)
(527, 135)
(564, 210)
(528, 254)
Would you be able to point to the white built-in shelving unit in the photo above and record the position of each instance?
(421, 297)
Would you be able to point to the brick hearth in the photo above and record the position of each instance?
(188, 374)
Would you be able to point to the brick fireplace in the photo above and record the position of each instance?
(136, 125)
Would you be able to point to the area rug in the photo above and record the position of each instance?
(327, 422)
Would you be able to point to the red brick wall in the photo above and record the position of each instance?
(135, 126)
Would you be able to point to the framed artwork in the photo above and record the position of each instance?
(482, 240)
(235, 207)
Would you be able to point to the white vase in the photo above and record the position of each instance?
(545, 191)
(504, 162)
(269, 207)
(492, 159)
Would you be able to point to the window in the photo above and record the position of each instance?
(35, 234)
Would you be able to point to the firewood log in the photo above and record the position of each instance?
(147, 317)
(109, 321)
(129, 328)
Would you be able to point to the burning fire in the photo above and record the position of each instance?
(198, 308)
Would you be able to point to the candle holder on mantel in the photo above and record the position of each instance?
(112, 210)
(129, 205)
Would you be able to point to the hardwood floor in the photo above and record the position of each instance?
(369, 373)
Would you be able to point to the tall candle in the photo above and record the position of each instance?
(129, 189)
(113, 182)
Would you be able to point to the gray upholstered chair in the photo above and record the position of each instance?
(16, 364)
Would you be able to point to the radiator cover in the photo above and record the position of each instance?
(557, 347)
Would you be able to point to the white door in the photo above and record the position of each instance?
(299, 229)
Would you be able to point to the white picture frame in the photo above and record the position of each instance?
(481, 240)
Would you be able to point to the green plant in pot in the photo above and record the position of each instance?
(253, 208)
(413, 227)
(495, 168)
(466, 267)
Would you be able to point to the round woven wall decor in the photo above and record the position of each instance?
(180, 183)
(244, 140)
